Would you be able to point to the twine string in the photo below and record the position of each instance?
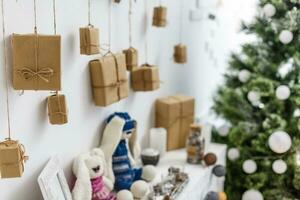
(146, 31)
(181, 21)
(130, 23)
(6, 71)
(54, 16)
(35, 17)
(109, 26)
(89, 12)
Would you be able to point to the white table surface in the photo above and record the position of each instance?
(201, 178)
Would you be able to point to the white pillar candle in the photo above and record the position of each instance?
(158, 139)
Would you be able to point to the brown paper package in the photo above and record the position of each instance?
(180, 53)
(160, 16)
(36, 62)
(89, 40)
(145, 78)
(131, 58)
(11, 159)
(175, 113)
(109, 79)
(57, 109)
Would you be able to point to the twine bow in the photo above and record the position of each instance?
(43, 73)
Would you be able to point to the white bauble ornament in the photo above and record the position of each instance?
(244, 75)
(139, 189)
(253, 96)
(252, 195)
(249, 166)
(283, 92)
(286, 36)
(296, 113)
(223, 130)
(233, 154)
(124, 195)
(279, 166)
(269, 10)
(280, 142)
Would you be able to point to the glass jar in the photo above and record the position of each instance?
(195, 145)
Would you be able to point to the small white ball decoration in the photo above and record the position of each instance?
(223, 130)
(139, 189)
(253, 96)
(233, 154)
(283, 92)
(244, 75)
(252, 195)
(279, 166)
(269, 10)
(286, 36)
(124, 195)
(249, 166)
(280, 142)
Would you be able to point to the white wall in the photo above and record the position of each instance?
(29, 119)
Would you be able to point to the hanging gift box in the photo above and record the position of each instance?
(89, 40)
(109, 79)
(145, 78)
(160, 16)
(57, 109)
(131, 58)
(175, 113)
(36, 62)
(12, 158)
(180, 53)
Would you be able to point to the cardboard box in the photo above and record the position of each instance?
(180, 54)
(89, 40)
(131, 58)
(11, 159)
(57, 109)
(160, 16)
(36, 62)
(175, 113)
(109, 79)
(145, 78)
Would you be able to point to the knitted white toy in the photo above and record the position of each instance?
(120, 148)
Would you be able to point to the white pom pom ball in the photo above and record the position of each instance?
(286, 36)
(279, 166)
(249, 166)
(233, 154)
(253, 96)
(283, 92)
(139, 189)
(244, 75)
(124, 195)
(149, 172)
(223, 130)
(269, 10)
(280, 142)
(252, 195)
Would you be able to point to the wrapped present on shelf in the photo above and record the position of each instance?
(145, 78)
(36, 62)
(131, 58)
(12, 158)
(160, 16)
(175, 113)
(109, 79)
(89, 40)
(180, 53)
(57, 109)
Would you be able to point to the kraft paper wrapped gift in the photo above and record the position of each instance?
(180, 53)
(109, 79)
(145, 78)
(57, 109)
(89, 40)
(36, 62)
(12, 157)
(175, 113)
(160, 16)
(131, 58)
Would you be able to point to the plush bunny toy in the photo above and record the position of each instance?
(91, 184)
(122, 145)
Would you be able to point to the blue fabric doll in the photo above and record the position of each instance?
(125, 174)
